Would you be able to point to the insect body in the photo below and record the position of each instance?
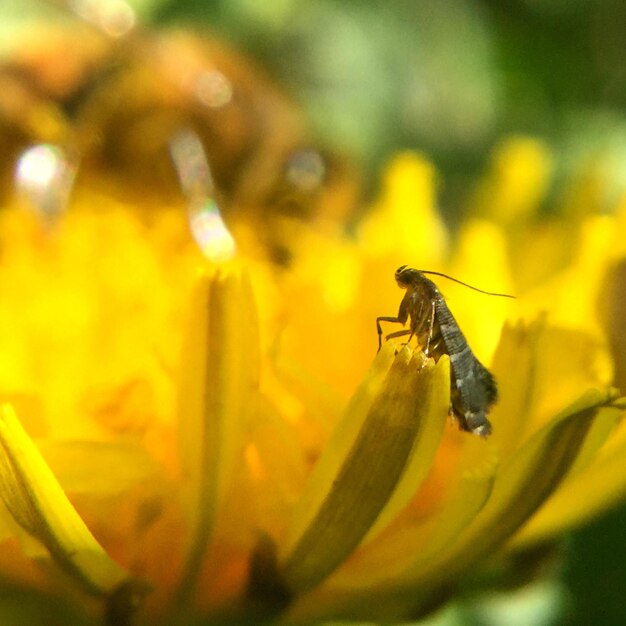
(473, 389)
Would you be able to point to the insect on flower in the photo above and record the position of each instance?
(473, 389)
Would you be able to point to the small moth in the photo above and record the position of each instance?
(473, 389)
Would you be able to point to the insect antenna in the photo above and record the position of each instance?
(456, 280)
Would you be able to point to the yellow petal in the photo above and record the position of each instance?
(434, 403)
(36, 501)
(99, 467)
(571, 295)
(397, 546)
(353, 497)
(522, 485)
(518, 181)
(480, 316)
(405, 223)
(338, 446)
(220, 370)
(518, 351)
(541, 368)
(394, 554)
(589, 489)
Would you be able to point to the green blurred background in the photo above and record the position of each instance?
(450, 78)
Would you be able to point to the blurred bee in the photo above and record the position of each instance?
(113, 95)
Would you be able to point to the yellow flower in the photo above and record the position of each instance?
(227, 432)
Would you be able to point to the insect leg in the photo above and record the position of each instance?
(395, 320)
(400, 333)
(401, 318)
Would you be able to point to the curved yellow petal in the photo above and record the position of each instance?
(480, 316)
(518, 351)
(364, 483)
(541, 368)
(99, 467)
(338, 447)
(593, 485)
(435, 403)
(405, 223)
(522, 484)
(520, 173)
(219, 377)
(38, 504)
(392, 555)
